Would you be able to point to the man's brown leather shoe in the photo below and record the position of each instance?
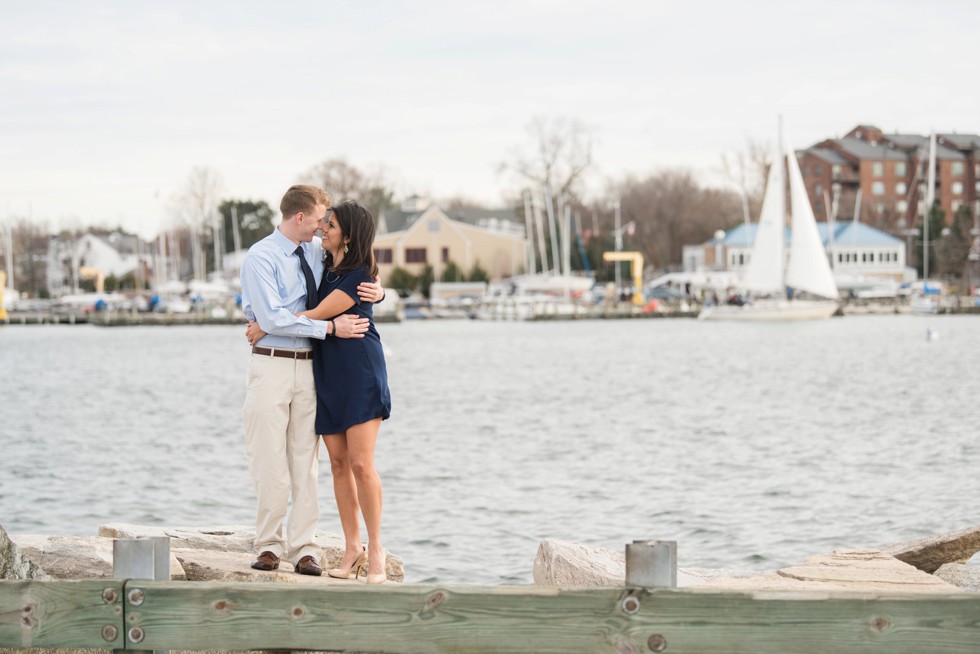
(266, 561)
(308, 566)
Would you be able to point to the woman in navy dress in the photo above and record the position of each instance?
(351, 387)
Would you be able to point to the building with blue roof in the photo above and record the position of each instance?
(854, 250)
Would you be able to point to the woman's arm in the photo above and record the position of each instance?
(333, 305)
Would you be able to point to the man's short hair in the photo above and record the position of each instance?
(302, 197)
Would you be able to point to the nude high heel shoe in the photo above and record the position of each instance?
(381, 577)
(360, 563)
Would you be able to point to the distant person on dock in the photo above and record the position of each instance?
(351, 388)
(278, 281)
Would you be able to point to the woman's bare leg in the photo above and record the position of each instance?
(361, 440)
(345, 492)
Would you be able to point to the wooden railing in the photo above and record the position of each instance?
(144, 615)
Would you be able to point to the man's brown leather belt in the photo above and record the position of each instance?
(286, 354)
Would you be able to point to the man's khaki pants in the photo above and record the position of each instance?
(282, 449)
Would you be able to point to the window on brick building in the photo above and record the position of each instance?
(878, 188)
(816, 169)
(957, 168)
(835, 171)
(878, 169)
(901, 188)
(956, 188)
(901, 206)
(900, 169)
(415, 255)
(818, 189)
(383, 255)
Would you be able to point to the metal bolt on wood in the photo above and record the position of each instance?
(630, 605)
(657, 643)
(109, 633)
(136, 635)
(109, 596)
(136, 597)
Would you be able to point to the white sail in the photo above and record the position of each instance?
(808, 268)
(765, 270)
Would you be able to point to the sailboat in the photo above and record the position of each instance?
(770, 272)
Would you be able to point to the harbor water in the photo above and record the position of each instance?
(751, 445)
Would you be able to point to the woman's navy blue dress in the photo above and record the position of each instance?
(350, 373)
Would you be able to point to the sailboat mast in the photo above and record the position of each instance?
(529, 247)
(930, 199)
(553, 228)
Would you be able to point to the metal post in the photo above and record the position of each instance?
(618, 231)
(651, 564)
(144, 558)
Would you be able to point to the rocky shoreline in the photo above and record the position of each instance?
(934, 564)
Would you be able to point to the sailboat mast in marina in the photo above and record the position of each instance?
(772, 277)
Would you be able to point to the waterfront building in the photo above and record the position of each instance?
(95, 255)
(854, 250)
(421, 233)
(881, 177)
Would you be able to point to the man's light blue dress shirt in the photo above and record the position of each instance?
(274, 290)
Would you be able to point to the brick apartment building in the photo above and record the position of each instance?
(891, 172)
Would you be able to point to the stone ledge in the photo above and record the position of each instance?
(196, 554)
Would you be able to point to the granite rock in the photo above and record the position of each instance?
(965, 577)
(13, 564)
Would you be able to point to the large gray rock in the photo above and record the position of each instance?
(225, 539)
(966, 577)
(865, 570)
(13, 564)
(560, 563)
(931, 553)
(76, 557)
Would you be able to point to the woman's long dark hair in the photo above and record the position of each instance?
(357, 224)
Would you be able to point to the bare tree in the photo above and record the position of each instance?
(342, 180)
(28, 250)
(747, 169)
(670, 210)
(557, 155)
(553, 162)
(196, 208)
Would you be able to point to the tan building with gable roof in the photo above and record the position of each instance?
(422, 233)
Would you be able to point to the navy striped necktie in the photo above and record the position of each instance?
(308, 273)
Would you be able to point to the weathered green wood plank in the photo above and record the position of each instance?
(396, 618)
(428, 619)
(61, 613)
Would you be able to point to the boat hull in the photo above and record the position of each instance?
(771, 310)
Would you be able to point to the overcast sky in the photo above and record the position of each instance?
(105, 107)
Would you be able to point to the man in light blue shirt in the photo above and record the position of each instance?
(278, 278)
